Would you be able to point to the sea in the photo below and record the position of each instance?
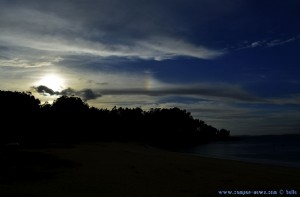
(279, 150)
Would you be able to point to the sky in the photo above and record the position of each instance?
(232, 63)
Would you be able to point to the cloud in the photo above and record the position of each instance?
(277, 42)
(27, 63)
(256, 44)
(68, 92)
(24, 57)
(45, 90)
(212, 91)
(169, 48)
(91, 29)
(85, 94)
(88, 94)
(154, 48)
(287, 100)
(268, 42)
(221, 91)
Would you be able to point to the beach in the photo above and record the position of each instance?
(94, 169)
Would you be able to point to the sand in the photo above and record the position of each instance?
(128, 169)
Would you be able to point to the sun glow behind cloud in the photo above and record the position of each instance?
(52, 81)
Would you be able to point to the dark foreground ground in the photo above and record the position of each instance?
(127, 169)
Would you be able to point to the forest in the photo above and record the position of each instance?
(69, 119)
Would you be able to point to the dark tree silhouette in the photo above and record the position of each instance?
(69, 119)
(16, 108)
(223, 133)
(70, 105)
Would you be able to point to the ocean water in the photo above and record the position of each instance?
(281, 150)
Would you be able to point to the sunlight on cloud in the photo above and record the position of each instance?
(26, 63)
(169, 48)
(14, 78)
(51, 32)
(158, 49)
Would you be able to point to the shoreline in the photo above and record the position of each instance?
(248, 160)
(234, 159)
(128, 169)
(233, 153)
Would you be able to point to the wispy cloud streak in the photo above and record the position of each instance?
(51, 31)
(268, 42)
(213, 91)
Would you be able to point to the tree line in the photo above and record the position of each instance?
(69, 119)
